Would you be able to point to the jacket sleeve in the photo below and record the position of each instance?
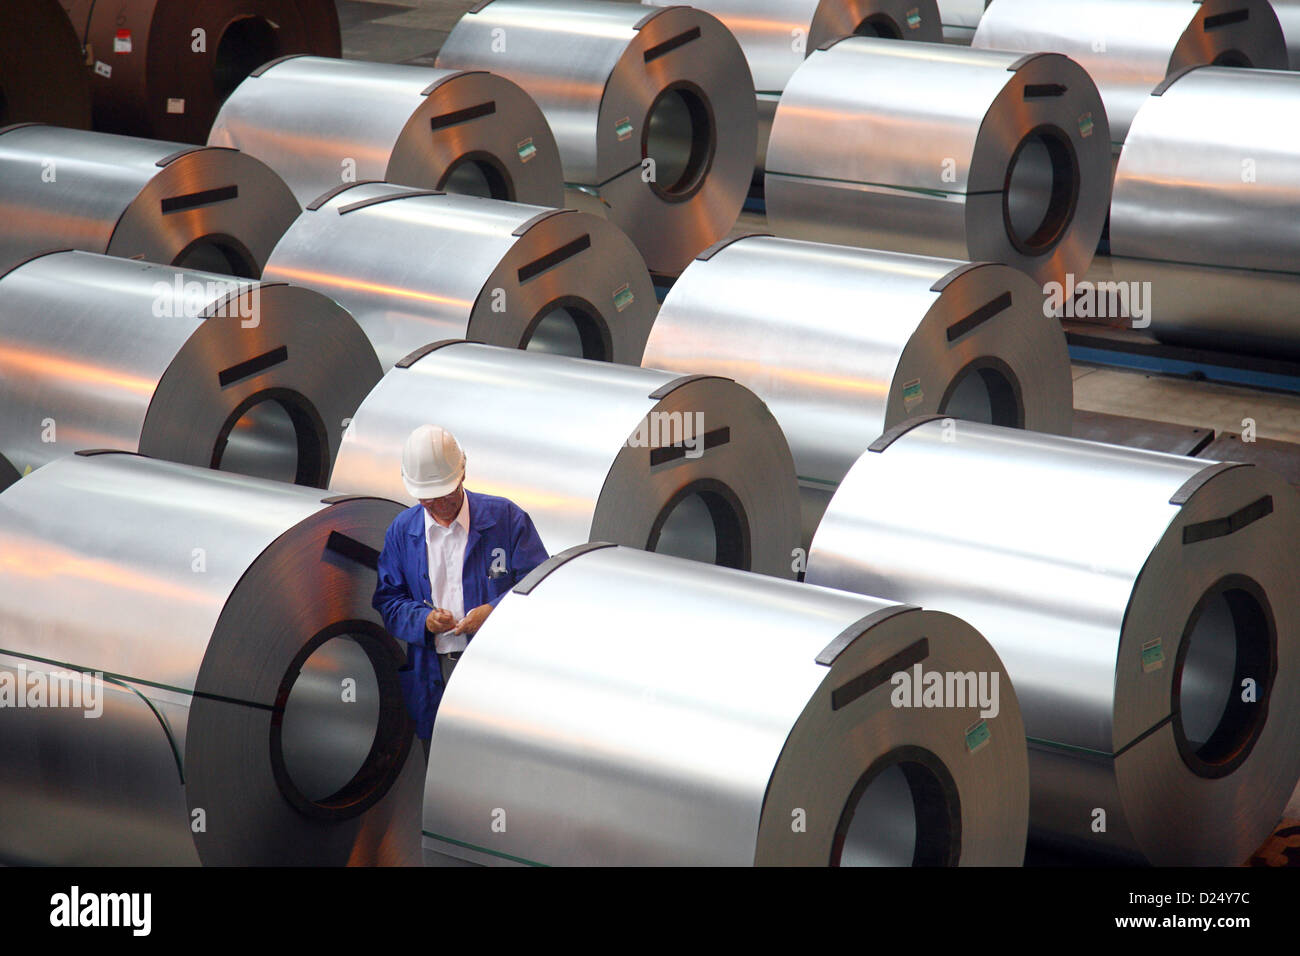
(403, 615)
(527, 551)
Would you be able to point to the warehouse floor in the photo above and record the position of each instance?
(412, 31)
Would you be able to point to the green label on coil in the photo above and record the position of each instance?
(977, 735)
(913, 18)
(1085, 125)
(526, 150)
(1153, 656)
(912, 394)
(623, 297)
(623, 128)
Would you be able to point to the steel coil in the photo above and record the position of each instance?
(193, 367)
(990, 156)
(1288, 15)
(1128, 47)
(320, 123)
(778, 740)
(162, 67)
(1147, 608)
(414, 268)
(193, 207)
(694, 466)
(960, 18)
(776, 35)
(653, 111)
(211, 624)
(1202, 221)
(845, 343)
(42, 77)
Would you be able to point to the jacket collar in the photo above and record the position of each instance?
(480, 517)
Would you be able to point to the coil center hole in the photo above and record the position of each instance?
(569, 326)
(275, 435)
(245, 45)
(1041, 190)
(681, 137)
(879, 25)
(983, 392)
(478, 175)
(218, 253)
(902, 812)
(1225, 660)
(704, 521)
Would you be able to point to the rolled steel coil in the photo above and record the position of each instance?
(42, 77)
(219, 629)
(694, 466)
(415, 267)
(960, 18)
(1202, 221)
(843, 344)
(1288, 15)
(161, 68)
(778, 740)
(1129, 47)
(990, 157)
(193, 367)
(653, 111)
(1147, 608)
(320, 123)
(187, 206)
(776, 35)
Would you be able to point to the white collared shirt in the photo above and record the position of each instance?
(446, 570)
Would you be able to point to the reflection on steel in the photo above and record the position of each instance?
(653, 110)
(1145, 606)
(97, 352)
(990, 156)
(843, 344)
(42, 76)
(162, 67)
(960, 18)
(1128, 47)
(197, 208)
(691, 466)
(320, 123)
(776, 740)
(776, 35)
(1204, 210)
(1288, 15)
(211, 620)
(415, 268)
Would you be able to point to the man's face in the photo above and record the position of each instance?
(444, 510)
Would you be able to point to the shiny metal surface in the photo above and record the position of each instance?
(776, 35)
(98, 352)
(321, 123)
(960, 18)
(42, 76)
(978, 161)
(620, 85)
(1129, 46)
(1095, 589)
(583, 447)
(211, 209)
(1204, 210)
(192, 598)
(1288, 15)
(843, 344)
(564, 722)
(414, 269)
(163, 67)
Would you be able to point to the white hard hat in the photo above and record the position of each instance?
(432, 463)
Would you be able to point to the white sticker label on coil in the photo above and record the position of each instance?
(175, 105)
(122, 42)
(102, 68)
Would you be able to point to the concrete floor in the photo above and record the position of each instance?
(412, 31)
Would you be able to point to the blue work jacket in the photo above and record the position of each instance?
(494, 523)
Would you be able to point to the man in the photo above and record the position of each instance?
(447, 562)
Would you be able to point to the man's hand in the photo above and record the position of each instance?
(439, 620)
(473, 620)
